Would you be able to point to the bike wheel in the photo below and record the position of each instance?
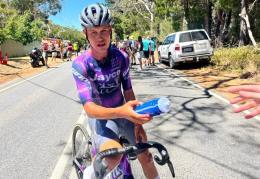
(81, 149)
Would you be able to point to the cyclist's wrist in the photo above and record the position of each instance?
(118, 112)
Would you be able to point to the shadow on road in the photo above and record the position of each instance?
(217, 162)
(187, 113)
(12, 66)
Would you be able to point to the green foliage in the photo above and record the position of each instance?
(166, 28)
(10, 27)
(38, 7)
(24, 29)
(166, 8)
(227, 4)
(73, 35)
(118, 27)
(126, 24)
(5, 13)
(38, 29)
(2, 36)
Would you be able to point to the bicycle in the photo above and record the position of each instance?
(83, 153)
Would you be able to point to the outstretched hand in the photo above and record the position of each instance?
(127, 111)
(250, 95)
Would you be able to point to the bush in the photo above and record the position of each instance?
(242, 59)
(165, 29)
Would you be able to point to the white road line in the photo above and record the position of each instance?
(209, 91)
(20, 82)
(63, 161)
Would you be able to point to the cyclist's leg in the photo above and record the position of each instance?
(148, 166)
(127, 130)
(106, 136)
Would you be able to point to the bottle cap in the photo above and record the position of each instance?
(164, 104)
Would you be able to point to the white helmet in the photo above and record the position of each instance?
(95, 15)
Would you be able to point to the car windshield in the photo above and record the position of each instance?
(199, 35)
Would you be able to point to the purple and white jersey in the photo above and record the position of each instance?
(100, 81)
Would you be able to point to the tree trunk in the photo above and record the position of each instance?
(219, 27)
(209, 15)
(186, 19)
(151, 23)
(243, 37)
(245, 29)
(225, 32)
(206, 17)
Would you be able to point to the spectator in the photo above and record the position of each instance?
(139, 54)
(69, 51)
(146, 45)
(151, 50)
(45, 49)
(249, 94)
(61, 50)
(134, 47)
(53, 52)
(76, 48)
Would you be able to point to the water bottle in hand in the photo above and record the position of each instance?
(154, 107)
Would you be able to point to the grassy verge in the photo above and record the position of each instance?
(242, 60)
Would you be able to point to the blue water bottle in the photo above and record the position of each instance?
(154, 107)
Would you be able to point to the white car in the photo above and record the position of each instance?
(183, 46)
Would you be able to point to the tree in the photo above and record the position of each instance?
(39, 8)
(5, 13)
(24, 28)
(143, 8)
(245, 28)
(2, 36)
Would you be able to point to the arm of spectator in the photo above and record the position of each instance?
(249, 96)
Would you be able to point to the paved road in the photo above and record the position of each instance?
(204, 138)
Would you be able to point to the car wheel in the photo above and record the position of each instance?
(171, 62)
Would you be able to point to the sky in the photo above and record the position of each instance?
(69, 14)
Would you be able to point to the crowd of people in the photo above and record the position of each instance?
(141, 49)
(58, 48)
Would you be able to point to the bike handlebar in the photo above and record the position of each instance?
(100, 165)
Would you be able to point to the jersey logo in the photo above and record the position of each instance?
(108, 77)
(107, 88)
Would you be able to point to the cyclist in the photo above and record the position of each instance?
(249, 94)
(100, 72)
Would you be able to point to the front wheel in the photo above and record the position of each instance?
(81, 149)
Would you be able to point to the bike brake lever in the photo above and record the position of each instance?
(163, 152)
(171, 168)
(165, 156)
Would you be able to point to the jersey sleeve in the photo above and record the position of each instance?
(125, 76)
(82, 82)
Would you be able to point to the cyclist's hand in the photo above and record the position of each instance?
(140, 135)
(127, 111)
(250, 95)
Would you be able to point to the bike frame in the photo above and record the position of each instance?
(128, 152)
(123, 168)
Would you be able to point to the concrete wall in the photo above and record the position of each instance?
(17, 49)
